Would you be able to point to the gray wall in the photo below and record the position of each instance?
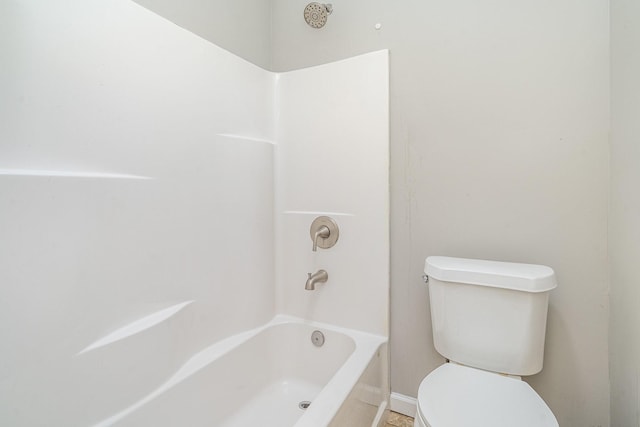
(499, 150)
(625, 213)
(241, 26)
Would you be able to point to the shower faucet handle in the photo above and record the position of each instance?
(324, 233)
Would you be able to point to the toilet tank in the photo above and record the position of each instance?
(488, 314)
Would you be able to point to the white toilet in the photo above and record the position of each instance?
(489, 320)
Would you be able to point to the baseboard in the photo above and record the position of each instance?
(402, 404)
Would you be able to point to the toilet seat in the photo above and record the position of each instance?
(460, 396)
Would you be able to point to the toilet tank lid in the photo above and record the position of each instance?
(507, 275)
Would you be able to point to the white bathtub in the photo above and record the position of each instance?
(258, 378)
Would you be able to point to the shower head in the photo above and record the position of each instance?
(316, 14)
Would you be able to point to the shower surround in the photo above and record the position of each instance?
(156, 196)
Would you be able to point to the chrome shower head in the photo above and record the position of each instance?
(316, 14)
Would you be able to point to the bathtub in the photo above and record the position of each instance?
(261, 377)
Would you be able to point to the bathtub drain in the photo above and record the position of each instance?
(304, 404)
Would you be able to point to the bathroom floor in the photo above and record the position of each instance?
(398, 420)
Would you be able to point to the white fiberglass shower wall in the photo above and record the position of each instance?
(132, 228)
(333, 159)
(138, 209)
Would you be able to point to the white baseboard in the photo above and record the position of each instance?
(402, 404)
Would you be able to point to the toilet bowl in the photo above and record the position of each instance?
(459, 396)
(489, 321)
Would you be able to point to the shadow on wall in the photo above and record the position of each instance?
(559, 333)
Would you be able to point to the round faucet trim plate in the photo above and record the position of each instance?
(334, 232)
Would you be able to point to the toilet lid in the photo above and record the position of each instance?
(459, 396)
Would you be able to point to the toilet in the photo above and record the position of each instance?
(489, 320)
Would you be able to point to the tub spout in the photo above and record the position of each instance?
(320, 276)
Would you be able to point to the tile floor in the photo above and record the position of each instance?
(399, 420)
